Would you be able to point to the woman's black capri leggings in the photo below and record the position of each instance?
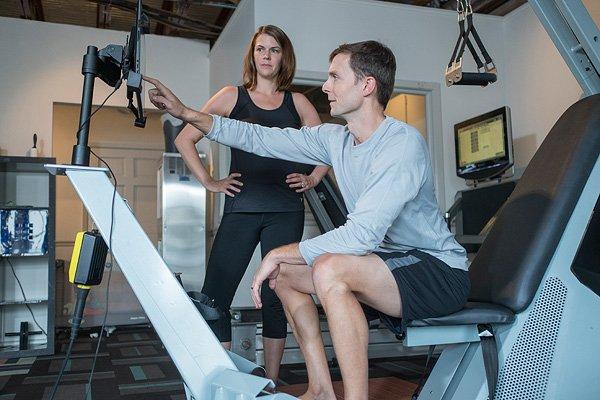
(236, 239)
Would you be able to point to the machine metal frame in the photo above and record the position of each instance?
(550, 318)
(576, 37)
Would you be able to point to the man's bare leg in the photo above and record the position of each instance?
(273, 354)
(341, 281)
(294, 284)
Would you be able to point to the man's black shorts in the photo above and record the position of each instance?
(428, 287)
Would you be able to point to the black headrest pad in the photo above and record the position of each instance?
(513, 259)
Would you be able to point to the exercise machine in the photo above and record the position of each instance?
(533, 315)
(527, 331)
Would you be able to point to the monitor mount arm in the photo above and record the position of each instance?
(112, 65)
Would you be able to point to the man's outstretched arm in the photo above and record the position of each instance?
(305, 145)
(163, 99)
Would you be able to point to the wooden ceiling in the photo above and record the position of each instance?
(199, 19)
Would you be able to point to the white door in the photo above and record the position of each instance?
(135, 168)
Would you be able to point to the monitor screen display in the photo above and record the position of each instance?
(484, 145)
(481, 141)
(23, 231)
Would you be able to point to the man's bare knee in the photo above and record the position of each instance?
(328, 276)
(326, 268)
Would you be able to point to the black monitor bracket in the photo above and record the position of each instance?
(112, 65)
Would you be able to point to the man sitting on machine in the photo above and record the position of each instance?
(394, 254)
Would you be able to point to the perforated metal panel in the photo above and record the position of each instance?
(527, 368)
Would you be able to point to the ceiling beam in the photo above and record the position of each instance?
(182, 7)
(486, 6)
(420, 2)
(224, 16)
(449, 5)
(26, 10)
(232, 5)
(162, 29)
(211, 3)
(508, 7)
(103, 16)
(400, 1)
(168, 18)
(38, 10)
(32, 9)
(222, 19)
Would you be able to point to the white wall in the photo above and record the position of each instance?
(41, 64)
(532, 77)
(228, 52)
(422, 40)
(539, 85)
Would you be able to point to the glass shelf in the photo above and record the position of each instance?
(24, 164)
(22, 255)
(22, 302)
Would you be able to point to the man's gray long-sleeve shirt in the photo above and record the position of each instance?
(386, 183)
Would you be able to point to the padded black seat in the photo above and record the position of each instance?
(509, 267)
(473, 313)
(509, 270)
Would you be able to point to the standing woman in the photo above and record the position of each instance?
(263, 200)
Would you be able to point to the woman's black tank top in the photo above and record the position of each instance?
(264, 187)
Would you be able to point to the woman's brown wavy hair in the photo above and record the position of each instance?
(288, 59)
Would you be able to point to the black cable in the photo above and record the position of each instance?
(112, 220)
(74, 334)
(75, 323)
(117, 86)
(24, 297)
(62, 369)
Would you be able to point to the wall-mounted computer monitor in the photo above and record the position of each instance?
(484, 145)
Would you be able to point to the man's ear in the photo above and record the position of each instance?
(369, 86)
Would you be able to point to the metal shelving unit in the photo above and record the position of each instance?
(25, 183)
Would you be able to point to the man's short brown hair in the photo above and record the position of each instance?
(371, 58)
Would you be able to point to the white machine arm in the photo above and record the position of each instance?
(205, 366)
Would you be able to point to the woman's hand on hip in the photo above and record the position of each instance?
(228, 185)
(300, 182)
